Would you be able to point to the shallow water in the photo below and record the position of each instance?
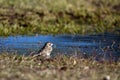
(106, 45)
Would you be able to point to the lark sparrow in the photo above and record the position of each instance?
(45, 51)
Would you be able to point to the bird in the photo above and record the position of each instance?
(45, 51)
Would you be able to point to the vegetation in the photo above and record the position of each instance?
(59, 17)
(30, 17)
(19, 67)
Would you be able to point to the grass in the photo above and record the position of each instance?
(28, 17)
(18, 67)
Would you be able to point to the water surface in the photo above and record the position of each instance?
(106, 45)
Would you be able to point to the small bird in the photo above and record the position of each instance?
(45, 51)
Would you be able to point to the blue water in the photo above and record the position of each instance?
(64, 44)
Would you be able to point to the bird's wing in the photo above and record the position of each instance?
(42, 49)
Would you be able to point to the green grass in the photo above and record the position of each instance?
(18, 17)
(29, 17)
(18, 67)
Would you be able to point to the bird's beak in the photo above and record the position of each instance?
(51, 44)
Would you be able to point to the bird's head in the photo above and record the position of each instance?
(49, 44)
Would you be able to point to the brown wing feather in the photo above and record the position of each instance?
(43, 47)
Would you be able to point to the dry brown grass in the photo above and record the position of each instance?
(16, 67)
